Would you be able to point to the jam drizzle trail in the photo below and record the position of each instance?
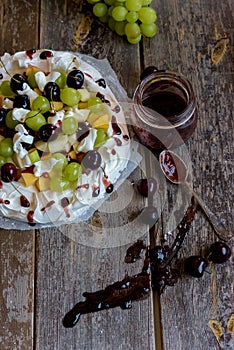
(156, 274)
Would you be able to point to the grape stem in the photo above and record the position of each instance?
(4, 66)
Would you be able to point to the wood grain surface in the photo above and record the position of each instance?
(44, 272)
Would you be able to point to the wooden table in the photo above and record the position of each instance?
(44, 272)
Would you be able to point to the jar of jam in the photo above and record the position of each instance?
(165, 111)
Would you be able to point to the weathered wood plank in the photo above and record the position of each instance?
(17, 20)
(189, 33)
(17, 289)
(65, 267)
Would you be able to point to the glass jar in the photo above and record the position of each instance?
(165, 112)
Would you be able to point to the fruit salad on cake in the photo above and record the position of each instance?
(63, 137)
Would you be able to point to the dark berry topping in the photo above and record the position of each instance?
(92, 160)
(17, 82)
(21, 101)
(46, 54)
(75, 79)
(9, 172)
(219, 252)
(195, 265)
(46, 131)
(52, 91)
(147, 187)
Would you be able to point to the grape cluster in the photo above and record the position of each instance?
(133, 18)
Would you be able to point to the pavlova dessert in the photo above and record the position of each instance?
(63, 137)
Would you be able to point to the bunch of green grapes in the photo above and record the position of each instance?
(133, 18)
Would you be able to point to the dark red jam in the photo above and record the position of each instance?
(30, 53)
(173, 167)
(46, 54)
(165, 114)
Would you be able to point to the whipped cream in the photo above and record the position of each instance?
(45, 205)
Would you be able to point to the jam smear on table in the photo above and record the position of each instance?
(134, 252)
(120, 293)
(156, 274)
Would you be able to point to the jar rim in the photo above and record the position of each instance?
(155, 119)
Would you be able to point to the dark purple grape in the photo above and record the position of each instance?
(46, 131)
(149, 216)
(21, 101)
(147, 187)
(46, 54)
(147, 71)
(195, 265)
(3, 113)
(52, 91)
(219, 252)
(17, 82)
(75, 79)
(92, 160)
(9, 172)
(82, 131)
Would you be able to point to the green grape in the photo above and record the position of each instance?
(110, 10)
(69, 125)
(62, 161)
(58, 184)
(72, 171)
(132, 30)
(61, 80)
(147, 15)
(104, 19)
(134, 40)
(34, 120)
(148, 30)
(70, 96)
(94, 101)
(120, 28)
(109, 2)
(6, 147)
(100, 9)
(32, 81)
(100, 138)
(145, 2)
(133, 5)
(119, 13)
(5, 89)
(111, 23)
(132, 16)
(10, 123)
(41, 104)
(2, 161)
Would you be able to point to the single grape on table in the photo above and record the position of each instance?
(131, 18)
